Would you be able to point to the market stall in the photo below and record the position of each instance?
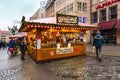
(56, 37)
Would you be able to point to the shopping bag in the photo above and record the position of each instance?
(93, 49)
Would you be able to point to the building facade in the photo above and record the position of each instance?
(40, 13)
(50, 8)
(4, 36)
(106, 14)
(80, 8)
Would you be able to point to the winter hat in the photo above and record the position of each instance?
(98, 32)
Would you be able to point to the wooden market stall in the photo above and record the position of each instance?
(56, 37)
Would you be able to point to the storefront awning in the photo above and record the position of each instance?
(118, 24)
(107, 25)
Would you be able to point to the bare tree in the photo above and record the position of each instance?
(13, 30)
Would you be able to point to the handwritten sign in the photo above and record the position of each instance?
(64, 50)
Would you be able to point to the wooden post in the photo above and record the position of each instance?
(38, 50)
(84, 42)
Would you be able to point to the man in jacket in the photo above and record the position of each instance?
(97, 42)
(22, 50)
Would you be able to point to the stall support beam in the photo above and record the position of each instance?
(84, 42)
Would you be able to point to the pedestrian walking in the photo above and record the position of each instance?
(22, 49)
(97, 42)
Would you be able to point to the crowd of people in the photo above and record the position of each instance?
(3, 45)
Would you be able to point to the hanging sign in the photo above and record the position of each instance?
(67, 19)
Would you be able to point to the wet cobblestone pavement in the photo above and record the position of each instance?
(87, 68)
(15, 73)
(12, 68)
(75, 68)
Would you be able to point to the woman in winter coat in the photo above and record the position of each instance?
(97, 42)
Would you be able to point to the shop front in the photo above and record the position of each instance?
(110, 31)
(53, 40)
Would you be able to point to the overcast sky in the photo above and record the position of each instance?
(13, 10)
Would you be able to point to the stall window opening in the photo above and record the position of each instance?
(50, 40)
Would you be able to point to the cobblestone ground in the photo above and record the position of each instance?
(75, 68)
(87, 68)
(12, 68)
(15, 73)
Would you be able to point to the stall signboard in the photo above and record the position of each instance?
(64, 50)
(67, 19)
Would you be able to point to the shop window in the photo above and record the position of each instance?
(109, 36)
(102, 15)
(94, 17)
(113, 12)
(64, 39)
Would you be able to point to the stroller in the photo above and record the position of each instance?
(12, 48)
(12, 51)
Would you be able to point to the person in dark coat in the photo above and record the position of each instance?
(11, 44)
(98, 41)
(22, 49)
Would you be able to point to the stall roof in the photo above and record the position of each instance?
(52, 20)
(19, 35)
(52, 23)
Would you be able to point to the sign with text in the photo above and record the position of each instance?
(106, 3)
(67, 19)
(64, 50)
